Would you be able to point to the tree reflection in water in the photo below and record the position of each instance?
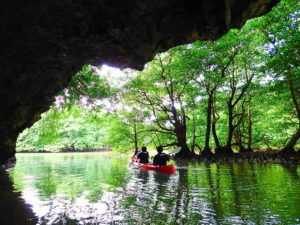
(102, 189)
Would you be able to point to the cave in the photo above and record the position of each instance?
(44, 43)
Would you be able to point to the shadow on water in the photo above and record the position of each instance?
(13, 209)
(293, 170)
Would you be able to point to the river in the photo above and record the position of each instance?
(100, 188)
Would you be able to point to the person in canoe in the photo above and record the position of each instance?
(137, 151)
(161, 158)
(143, 156)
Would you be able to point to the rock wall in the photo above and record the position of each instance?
(43, 43)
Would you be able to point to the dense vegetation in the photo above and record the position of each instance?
(239, 93)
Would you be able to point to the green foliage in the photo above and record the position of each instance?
(89, 85)
(72, 128)
(123, 128)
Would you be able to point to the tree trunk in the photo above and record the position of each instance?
(194, 133)
(238, 136)
(206, 150)
(185, 152)
(239, 140)
(296, 104)
(249, 147)
(289, 147)
(228, 149)
(214, 122)
(214, 132)
(135, 138)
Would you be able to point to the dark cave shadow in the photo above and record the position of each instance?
(13, 209)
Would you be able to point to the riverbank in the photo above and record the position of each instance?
(250, 157)
(69, 150)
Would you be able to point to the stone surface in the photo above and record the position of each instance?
(43, 43)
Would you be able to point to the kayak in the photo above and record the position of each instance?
(148, 166)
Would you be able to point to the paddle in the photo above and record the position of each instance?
(175, 151)
(147, 139)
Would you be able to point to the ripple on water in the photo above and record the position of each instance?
(96, 189)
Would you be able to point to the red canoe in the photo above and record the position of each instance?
(148, 166)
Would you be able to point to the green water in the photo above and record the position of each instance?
(100, 188)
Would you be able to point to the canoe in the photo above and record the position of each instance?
(148, 166)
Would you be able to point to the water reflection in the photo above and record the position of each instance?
(102, 189)
(13, 209)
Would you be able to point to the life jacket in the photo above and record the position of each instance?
(143, 157)
(161, 159)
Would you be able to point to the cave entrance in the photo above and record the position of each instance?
(79, 118)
